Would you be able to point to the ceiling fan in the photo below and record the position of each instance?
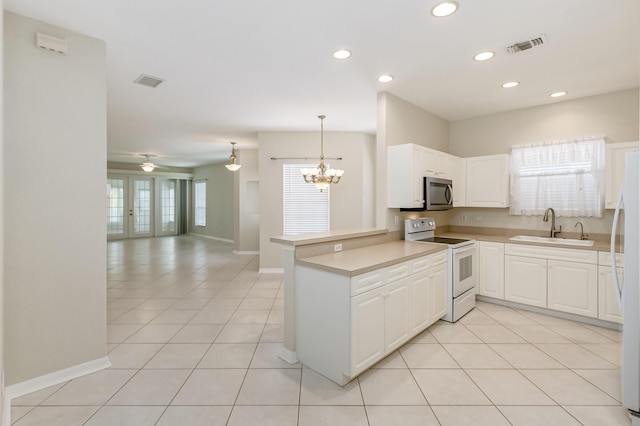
(147, 165)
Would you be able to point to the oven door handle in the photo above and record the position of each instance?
(465, 249)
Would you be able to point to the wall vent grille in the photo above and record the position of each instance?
(147, 80)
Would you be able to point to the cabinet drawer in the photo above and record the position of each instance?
(438, 258)
(604, 258)
(368, 281)
(421, 264)
(397, 272)
(545, 252)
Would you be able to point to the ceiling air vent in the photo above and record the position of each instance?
(527, 44)
(147, 80)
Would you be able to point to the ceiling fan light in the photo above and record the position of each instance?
(147, 165)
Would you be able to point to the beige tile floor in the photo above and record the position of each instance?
(194, 332)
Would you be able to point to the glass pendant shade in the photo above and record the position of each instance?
(233, 166)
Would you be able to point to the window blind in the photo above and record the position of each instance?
(569, 177)
(200, 201)
(305, 208)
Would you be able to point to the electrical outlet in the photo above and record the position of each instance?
(337, 247)
(464, 217)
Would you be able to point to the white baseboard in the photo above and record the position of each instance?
(245, 252)
(271, 271)
(288, 356)
(211, 238)
(51, 379)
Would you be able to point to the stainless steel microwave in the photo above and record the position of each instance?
(438, 194)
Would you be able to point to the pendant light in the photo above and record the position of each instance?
(320, 176)
(233, 166)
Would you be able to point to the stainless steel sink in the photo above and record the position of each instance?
(555, 240)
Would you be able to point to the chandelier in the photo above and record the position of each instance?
(320, 176)
(233, 166)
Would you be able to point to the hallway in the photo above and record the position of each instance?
(194, 332)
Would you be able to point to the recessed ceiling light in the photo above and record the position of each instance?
(483, 56)
(341, 54)
(558, 94)
(385, 78)
(510, 84)
(443, 9)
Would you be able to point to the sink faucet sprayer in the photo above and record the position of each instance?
(545, 218)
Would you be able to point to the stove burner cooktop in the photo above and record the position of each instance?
(443, 240)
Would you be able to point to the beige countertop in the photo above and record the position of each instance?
(321, 237)
(366, 259)
(598, 245)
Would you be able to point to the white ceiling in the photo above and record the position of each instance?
(237, 67)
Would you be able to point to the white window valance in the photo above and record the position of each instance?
(567, 176)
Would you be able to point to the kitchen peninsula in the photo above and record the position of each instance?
(345, 310)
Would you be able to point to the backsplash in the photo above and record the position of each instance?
(396, 218)
(500, 218)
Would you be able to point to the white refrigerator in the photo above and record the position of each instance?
(629, 289)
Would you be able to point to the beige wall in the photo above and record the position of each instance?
(614, 115)
(2, 391)
(247, 184)
(349, 208)
(55, 271)
(407, 123)
(401, 122)
(220, 201)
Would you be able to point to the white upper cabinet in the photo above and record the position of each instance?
(405, 170)
(407, 165)
(487, 181)
(614, 171)
(436, 164)
(458, 172)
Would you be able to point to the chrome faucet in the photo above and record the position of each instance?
(545, 218)
(583, 236)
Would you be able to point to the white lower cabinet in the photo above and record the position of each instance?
(525, 280)
(396, 315)
(437, 307)
(556, 278)
(367, 329)
(573, 287)
(428, 298)
(608, 308)
(345, 325)
(491, 271)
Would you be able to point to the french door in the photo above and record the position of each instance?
(130, 207)
(167, 214)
